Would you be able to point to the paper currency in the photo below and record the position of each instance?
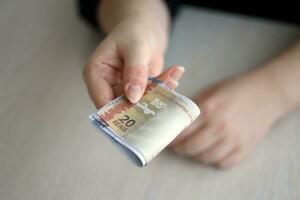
(144, 129)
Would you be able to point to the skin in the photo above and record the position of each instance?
(133, 49)
(236, 113)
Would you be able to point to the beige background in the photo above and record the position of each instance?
(48, 149)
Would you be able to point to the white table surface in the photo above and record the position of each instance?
(48, 150)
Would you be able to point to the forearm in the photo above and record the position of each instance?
(152, 14)
(284, 72)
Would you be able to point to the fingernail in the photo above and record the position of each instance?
(177, 73)
(134, 93)
(172, 84)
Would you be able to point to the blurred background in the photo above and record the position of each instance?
(48, 150)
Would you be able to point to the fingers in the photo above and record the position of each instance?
(209, 147)
(118, 90)
(209, 140)
(135, 75)
(171, 76)
(232, 158)
(217, 152)
(99, 89)
(212, 146)
(187, 132)
(206, 108)
(155, 66)
(198, 142)
(101, 73)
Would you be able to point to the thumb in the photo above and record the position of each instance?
(135, 75)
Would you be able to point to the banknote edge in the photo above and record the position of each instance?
(189, 101)
(121, 144)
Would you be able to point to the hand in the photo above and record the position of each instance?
(123, 61)
(236, 114)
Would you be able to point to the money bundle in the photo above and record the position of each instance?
(144, 129)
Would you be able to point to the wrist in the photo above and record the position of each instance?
(277, 81)
(142, 29)
(150, 18)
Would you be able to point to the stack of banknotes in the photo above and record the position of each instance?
(142, 130)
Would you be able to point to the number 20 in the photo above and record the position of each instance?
(127, 121)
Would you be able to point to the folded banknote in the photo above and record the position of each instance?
(144, 129)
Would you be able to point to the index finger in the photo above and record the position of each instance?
(98, 88)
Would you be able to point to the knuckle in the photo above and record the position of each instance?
(89, 67)
(96, 67)
(234, 159)
(224, 136)
(240, 148)
(222, 165)
(86, 71)
(238, 158)
(228, 139)
(225, 126)
(242, 144)
(136, 74)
